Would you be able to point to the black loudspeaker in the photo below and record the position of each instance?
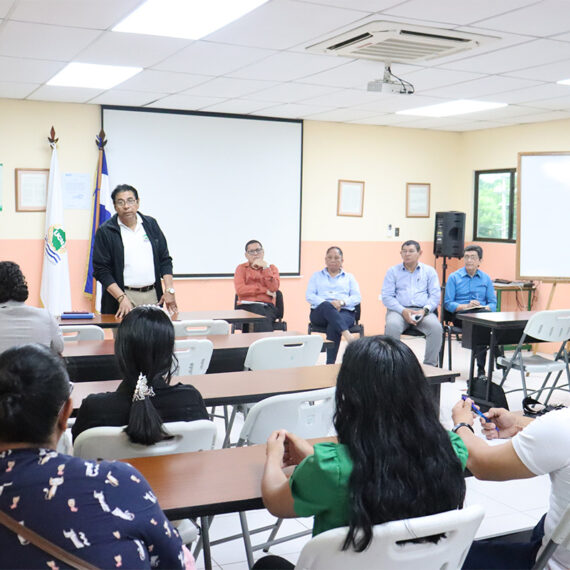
(449, 234)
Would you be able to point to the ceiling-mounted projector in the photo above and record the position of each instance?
(390, 84)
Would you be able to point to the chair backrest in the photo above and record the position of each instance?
(279, 306)
(200, 328)
(193, 355)
(111, 442)
(283, 352)
(82, 332)
(324, 551)
(549, 326)
(307, 414)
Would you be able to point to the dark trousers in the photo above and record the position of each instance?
(500, 555)
(480, 349)
(267, 310)
(326, 316)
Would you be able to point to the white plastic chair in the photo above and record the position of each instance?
(82, 332)
(560, 538)
(111, 442)
(283, 352)
(307, 414)
(193, 355)
(547, 326)
(324, 551)
(205, 327)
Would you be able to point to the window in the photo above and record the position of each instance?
(495, 205)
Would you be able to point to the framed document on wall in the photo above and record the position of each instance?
(350, 198)
(417, 200)
(31, 189)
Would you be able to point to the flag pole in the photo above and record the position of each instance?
(100, 142)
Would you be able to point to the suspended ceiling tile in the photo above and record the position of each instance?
(116, 48)
(533, 94)
(292, 92)
(341, 115)
(425, 79)
(64, 94)
(485, 86)
(212, 59)
(548, 72)
(238, 106)
(16, 90)
(282, 24)
(228, 87)
(457, 12)
(286, 66)
(539, 19)
(20, 39)
(162, 81)
(28, 70)
(534, 52)
(101, 14)
(126, 98)
(293, 110)
(185, 102)
(362, 5)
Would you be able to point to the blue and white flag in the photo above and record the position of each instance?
(101, 212)
(55, 291)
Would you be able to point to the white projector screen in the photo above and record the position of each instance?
(543, 206)
(213, 182)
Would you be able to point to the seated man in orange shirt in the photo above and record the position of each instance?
(256, 283)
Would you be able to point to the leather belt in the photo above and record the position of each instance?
(140, 289)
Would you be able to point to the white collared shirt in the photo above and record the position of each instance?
(139, 260)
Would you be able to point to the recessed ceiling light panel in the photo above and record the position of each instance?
(188, 19)
(92, 75)
(459, 107)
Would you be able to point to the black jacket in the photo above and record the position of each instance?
(109, 258)
(177, 403)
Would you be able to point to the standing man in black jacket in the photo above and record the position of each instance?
(130, 256)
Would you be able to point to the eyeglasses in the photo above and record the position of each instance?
(474, 257)
(254, 251)
(408, 251)
(127, 202)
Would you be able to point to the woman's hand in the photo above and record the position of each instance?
(296, 449)
(461, 412)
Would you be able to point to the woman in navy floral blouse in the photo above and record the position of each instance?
(104, 512)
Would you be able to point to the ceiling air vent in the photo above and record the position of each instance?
(400, 43)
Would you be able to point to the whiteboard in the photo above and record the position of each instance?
(543, 226)
(213, 182)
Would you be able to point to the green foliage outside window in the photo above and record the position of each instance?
(495, 205)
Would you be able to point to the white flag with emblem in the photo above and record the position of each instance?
(55, 291)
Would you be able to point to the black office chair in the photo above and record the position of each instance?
(278, 324)
(356, 328)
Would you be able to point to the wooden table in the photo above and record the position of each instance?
(95, 359)
(500, 287)
(492, 329)
(230, 315)
(246, 387)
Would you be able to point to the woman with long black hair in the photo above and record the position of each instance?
(393, 459)
(144, 348)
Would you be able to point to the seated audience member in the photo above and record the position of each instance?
(538, 447)
(256, 283)
(144, 347)
(391, 461)
(99, 512)
(411, 293)
(469, 289)
(333, 294)
(20, 323)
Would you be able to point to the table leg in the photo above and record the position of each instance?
(205, 527)
(499, 293)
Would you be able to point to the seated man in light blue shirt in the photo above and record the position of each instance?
(470, 289)
(411, 293)
(333, 295)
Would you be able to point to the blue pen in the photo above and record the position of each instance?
(478, 411)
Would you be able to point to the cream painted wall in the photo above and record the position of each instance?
(385, 158)
(25, 127)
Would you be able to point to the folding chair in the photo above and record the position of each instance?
(387, 549)
(546, 326)
(204, 327)
(82, 332)
(193, 355)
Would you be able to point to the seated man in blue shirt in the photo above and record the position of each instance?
(333, 295)
(469, 289)
(411, 293)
